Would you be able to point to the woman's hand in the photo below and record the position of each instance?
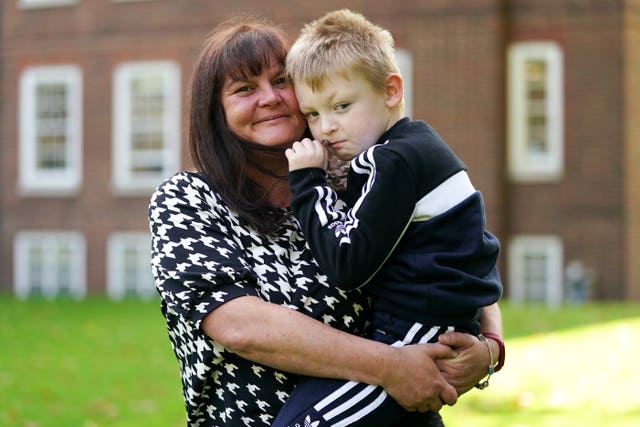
(414, 380)
(307, 153)
(471, 363)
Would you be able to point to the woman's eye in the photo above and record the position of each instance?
(280, 81)
(244, 89)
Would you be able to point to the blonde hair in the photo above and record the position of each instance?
(343, 42)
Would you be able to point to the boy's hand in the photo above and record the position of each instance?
(305, 154)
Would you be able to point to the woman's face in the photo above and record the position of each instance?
(263, 108)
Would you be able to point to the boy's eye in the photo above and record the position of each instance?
(342, 106)
(311, 115)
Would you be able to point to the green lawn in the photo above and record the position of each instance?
(575, 366)
(99, 363)
(86, 364)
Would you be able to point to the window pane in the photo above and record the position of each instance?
(50, 264)
(536, 83)
(36, 270)
(50, 144)
(147, 113)
(535, 269)
(63, 270)
(535, 114)
(146, 125)
(51, 124)
(44, 3)
(129, 271)
(535, 276)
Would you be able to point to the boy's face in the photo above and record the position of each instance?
(346, 112)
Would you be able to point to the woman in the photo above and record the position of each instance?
(247, 308)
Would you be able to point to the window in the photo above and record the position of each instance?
(49, 264)
(535, 112)
(50, 125)
(129, 265)
(535, 269)
(146, 111)
(29, 4)
(405, 63)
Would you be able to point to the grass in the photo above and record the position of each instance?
(574, 366)
(87, 364)
(99, 363)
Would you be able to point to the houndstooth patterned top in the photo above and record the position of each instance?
(203, 255)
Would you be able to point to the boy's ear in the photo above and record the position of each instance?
(393, 90)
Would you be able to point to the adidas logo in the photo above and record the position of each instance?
(309, 423)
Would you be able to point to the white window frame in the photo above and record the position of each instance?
(125, 181)
(525, 166)
(36, 4)
(35, 181)
(404, 60)
(49, 243)
(117, 245)
(552, 249)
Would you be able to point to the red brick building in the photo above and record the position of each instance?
(539, 97)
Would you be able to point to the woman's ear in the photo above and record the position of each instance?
(393, 90)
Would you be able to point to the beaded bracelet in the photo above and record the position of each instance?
(490, 371)
(501, 350)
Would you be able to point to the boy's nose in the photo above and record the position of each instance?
(328, 126)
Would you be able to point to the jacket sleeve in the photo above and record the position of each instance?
(351, 245)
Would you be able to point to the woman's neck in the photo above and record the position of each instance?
(278, 194)
(270, 173)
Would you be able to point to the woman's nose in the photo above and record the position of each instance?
(268, 95)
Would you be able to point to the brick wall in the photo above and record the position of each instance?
(99, 35)
(586, 207)
(631, 91)
(459, 77)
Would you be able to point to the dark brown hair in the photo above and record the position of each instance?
(238, 49)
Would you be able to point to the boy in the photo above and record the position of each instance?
(413, 230)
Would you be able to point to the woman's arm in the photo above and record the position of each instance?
(472, 361)
(286, 339)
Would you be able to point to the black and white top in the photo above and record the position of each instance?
(414, 231)
(203, 255)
